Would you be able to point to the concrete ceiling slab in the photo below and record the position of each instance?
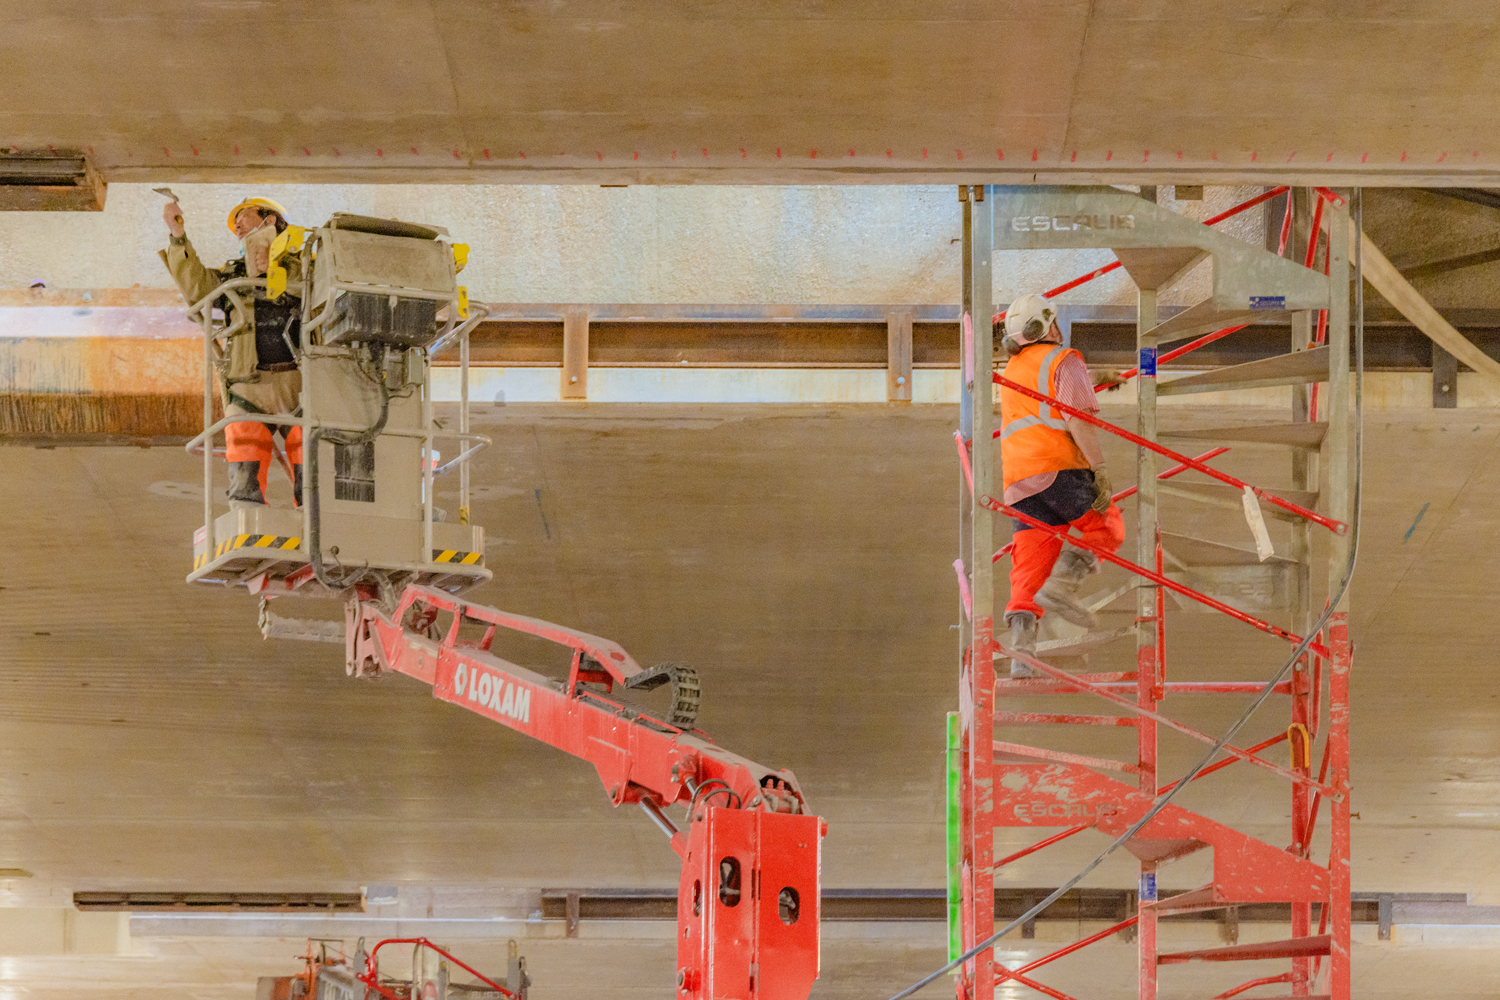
(894, 91)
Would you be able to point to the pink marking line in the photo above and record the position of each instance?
(963, 588)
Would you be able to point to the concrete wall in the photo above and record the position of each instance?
(592, 244)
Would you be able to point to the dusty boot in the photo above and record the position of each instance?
(297, 484)
(1058, 594)
(1023, 639)
(244, 482)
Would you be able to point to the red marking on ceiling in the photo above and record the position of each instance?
(1403, 156)
(456, 156)
(273, 152)
(381, 152)
(778, 152)
(637, 155)
(1000, 154)
(194, 149)
(1033, 156)
(1215, 155)
(1443, 157)
(1364, 157)
(674, 154)
(1179, 154)
(888, 154)
(1109, 155)
(851, 152)
(165, 151)
(705, 154)
(1146, 158)
(924, 154)
(1074, 157)
(336, 151)
(236, 151)
(1328, 158)
(486, 154)
(1254, 156)
(814, 155)
(743, 154)
(960, 153)
(1289, 158)
(414, 151)
(306, 151)
(600, 155)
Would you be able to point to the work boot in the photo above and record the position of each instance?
(1058, 594)
(244, 482)
(297, 484)
(1022, 639)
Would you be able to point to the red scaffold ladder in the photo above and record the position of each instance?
(1060, 794)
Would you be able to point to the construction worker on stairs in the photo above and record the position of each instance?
(1053, 471)
(258, 373)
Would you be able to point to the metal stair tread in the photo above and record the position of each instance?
(1296, 368)
(1205, 317)
(1224, 495)
(1157, 267)
(1161, 850)
(1288, 435)
(1191, 551)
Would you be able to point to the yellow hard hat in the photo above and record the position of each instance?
(254, 203)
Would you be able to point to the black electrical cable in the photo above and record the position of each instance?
(1357, 210)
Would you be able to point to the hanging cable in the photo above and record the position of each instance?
(1357, 210)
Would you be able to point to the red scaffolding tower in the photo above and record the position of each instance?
(1012, 784)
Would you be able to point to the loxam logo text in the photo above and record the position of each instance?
(493, 691)
(1070, 223)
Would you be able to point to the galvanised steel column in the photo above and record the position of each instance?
(977, 698)
(1337, 442)
(1145, 654)
(1304, 477)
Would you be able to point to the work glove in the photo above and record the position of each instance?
(1103, 492)
(1107, 379)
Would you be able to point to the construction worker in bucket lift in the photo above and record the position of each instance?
(1053, 471)
(258, 372)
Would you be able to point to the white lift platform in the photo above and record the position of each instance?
(379, 299)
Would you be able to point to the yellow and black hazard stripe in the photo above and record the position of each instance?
(455, 556)
(280, 542)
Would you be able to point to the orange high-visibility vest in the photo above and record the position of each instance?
(1034, 436)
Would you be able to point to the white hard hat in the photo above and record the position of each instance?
(1022, 313)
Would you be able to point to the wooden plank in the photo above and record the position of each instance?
(1293, 435)
(1297, 368)
(1380, 273)
(575, 367)
(898, 356)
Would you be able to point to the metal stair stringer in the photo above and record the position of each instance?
(1245, 870)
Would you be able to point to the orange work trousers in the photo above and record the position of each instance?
(1035, 551)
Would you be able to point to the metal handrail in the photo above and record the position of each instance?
(202, 312)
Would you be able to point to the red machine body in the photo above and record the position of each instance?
(748, 901)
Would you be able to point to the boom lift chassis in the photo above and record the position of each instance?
(748, 898)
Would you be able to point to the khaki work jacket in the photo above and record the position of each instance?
(195, 280)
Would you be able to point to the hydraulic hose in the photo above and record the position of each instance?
(1357, 209)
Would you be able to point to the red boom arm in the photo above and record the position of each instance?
(748, 901)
